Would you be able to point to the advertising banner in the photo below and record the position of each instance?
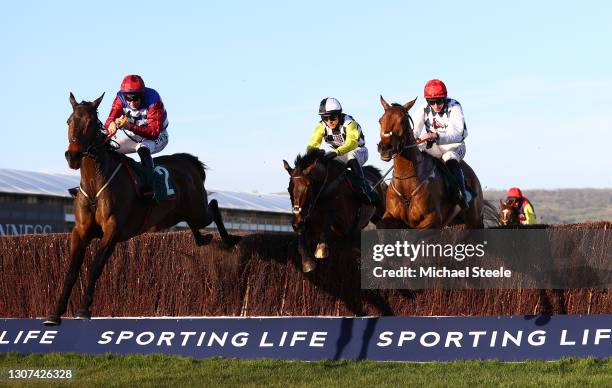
(515, 338)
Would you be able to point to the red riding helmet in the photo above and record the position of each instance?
(132, 84)
(435, 89)
(514, 192)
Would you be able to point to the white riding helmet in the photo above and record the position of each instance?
(329, 106)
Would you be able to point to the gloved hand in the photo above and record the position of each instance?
(330, 155)
(121, 121)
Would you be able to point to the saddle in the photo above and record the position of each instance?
(450, 181)
(163, 185)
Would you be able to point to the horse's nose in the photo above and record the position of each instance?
(297, 209)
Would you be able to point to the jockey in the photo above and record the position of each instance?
(440, 121)
(526, 213)
(342, 133)
(140, 112)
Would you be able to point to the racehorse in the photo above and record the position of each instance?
(508, 214)
(324, 204)
(108, 207)
(417, 197)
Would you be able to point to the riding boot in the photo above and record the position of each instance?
(455, 169)
(366, 193)
(147, 163)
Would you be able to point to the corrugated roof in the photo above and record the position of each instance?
(53, 184)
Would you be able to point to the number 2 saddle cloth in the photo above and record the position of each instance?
(163, 185)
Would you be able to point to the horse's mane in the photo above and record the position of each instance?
(311, 156)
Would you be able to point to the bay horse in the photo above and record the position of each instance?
(417, 197)
(325, 206)
(107, 206)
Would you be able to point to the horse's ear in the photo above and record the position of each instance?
(409, 104)
(73, 101)
(501, 204)
(384, 103)
(97, 101)
(287, 167)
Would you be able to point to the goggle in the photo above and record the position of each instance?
(132, 97)
(435, 101)
(330, 117)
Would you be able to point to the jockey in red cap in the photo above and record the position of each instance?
(515, 198)
(140, 112)
(440, 121)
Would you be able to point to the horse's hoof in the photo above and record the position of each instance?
(231, 241)
(308, 265)
(204, 240)
(83, 314)
(53, 320)
(322, 252)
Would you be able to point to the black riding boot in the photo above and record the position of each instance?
(147, 163)
(366, 194)
(455, 169)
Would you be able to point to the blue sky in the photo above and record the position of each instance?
(242, 81)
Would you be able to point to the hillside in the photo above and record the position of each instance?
(565, 206)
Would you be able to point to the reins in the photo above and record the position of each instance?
(91, 152)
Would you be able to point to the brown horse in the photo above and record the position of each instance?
(417, 197)
(325, 206)
(508, 214)
(108, 208)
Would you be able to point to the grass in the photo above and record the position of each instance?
(161, 370)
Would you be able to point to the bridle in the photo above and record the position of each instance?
(298, 209)
(93, 152)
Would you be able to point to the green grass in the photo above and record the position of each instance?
(161, 370)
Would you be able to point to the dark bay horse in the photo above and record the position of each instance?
(417, 197)
(107, 206)
(325, 206)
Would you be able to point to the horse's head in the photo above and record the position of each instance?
(306, 183)
(83, 130)
(508, 214)
(395, 129)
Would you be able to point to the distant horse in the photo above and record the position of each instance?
(108, 207)
(508, 214)
(325, 206)
(417, 197)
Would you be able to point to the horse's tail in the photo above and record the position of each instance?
(373, 175)
(490, 213)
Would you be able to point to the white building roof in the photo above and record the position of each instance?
(54, 184)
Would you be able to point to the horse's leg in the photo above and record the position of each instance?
(78, 244)
(308, 264)
(390, 222)
(200, 239)
(322, 249)
(107, 246)
(215, 213)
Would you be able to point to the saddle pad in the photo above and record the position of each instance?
(163, 185)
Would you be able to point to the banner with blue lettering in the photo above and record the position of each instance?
(514, 338)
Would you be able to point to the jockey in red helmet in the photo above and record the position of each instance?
(515, 198)
(140, 112)
(344, 135)
(440, 121)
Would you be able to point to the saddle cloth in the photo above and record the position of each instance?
(163, 185)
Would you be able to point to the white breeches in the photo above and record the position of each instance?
(128, 146)
(359, 153)
(446, 152)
